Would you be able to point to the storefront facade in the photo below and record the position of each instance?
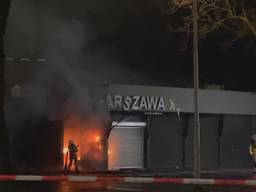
(165, 141)
(150, 128)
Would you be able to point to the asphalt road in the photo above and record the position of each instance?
(15, 186)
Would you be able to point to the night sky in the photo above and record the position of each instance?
(137, 33)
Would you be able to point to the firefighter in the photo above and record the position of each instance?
(73, 149)
(252, 150)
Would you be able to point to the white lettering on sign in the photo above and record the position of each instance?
(172, 105)
(141, 103)
(110, 103)
(161, 106)
(128, 102)
(118, 101)
(135, 102)
(152, 103)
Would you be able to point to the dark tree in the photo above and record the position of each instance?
(234, 16)
(4, 138)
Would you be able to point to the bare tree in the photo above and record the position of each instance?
(235, 16)
(4, 139)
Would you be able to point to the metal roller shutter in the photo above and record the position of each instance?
(126, 148)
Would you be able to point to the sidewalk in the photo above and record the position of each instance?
(129, 179)
(174, 173)
(220, 173)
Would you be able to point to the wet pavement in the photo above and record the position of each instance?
(40, 186)
(18, 186)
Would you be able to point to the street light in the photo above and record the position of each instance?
(197, 153)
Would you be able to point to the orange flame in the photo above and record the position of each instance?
(100, 147)
(65, 150)
(87, 134)
(97, 139)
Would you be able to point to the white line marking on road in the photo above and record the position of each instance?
(138, 180)
(199, 181)
(82, 178)
(29, 178)
(250, 182)
(123, 189)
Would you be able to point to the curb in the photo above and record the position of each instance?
(73, 178)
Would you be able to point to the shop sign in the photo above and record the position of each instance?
(149, 104)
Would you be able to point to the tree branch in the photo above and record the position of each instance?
(214, 15)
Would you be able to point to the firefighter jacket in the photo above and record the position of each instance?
(252, 149)
(73, 149)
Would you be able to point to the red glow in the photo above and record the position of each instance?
(100, 147)
(87, 134)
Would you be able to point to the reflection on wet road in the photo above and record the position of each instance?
(111, 187)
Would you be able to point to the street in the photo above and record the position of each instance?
(19, 186)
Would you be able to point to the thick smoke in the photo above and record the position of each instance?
(78, 61)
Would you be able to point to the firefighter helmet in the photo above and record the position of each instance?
(253, 139)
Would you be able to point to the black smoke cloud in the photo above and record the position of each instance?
(77, 62)
(69, 37)
(37, 30)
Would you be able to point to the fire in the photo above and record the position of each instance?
(97, 139)
(87, 134)
(100, 147)
(109, 152)
(65, 150)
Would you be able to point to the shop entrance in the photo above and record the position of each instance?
(88, 135)
(126, 146)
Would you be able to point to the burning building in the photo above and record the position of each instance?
(41, 133)
(147, 128)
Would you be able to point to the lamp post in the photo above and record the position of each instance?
(197, 153)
